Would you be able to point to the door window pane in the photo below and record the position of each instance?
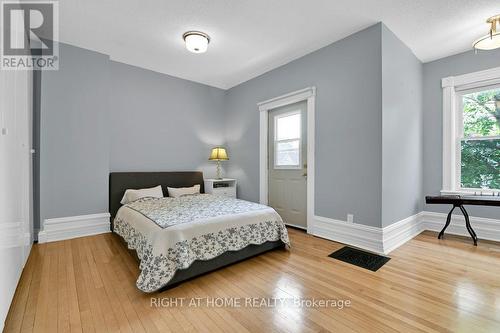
(287, 153)
(287, 140)
(288, 127)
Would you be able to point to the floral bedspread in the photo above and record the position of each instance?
(168, 211)
(189, 228)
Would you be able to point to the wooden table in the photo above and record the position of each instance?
(459, 201)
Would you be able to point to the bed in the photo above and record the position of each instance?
(176, 239)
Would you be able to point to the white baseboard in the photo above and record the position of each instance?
(296, 226)
(488, 229)
(384, 240)
(402, 231)
(358, 235)
(74, 226)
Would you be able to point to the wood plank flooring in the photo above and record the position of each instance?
(429, 285)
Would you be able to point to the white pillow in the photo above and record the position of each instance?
(132, 195)
(180, 191)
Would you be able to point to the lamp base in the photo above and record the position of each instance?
(219, 171)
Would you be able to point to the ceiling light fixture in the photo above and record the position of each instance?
(492, 40)
(196, 41)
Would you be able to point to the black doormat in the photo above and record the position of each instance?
(360, 258)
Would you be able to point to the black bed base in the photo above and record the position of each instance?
(201, 267)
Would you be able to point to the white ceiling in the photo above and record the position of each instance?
(251, 37)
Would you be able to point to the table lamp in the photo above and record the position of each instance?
(218, 154)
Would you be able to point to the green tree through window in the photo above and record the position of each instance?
(480, 145)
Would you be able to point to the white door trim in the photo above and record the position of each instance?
(309, 95)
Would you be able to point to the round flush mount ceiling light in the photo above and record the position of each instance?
(492, 40)
(196, 41)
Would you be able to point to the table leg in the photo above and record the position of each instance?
(467, 224)
(448, 219)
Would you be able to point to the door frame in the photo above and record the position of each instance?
(307, 94)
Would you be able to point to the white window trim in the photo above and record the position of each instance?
(451, 115)
(276, 141)
(309, 95)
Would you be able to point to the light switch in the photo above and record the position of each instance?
(4, 131)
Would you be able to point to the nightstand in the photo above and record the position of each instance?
(225, 187)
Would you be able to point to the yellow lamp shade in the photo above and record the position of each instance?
(218, 154)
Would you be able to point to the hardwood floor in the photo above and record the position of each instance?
(429, 285)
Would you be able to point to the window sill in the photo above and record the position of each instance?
(469, 192)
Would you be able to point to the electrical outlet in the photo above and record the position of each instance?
(350, 218)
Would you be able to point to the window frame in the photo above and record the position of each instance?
(276, 141)
(453, 90)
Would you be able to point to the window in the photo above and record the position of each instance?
(480, 138)
(471, 133)
(287, 141)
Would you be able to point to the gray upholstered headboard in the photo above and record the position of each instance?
(121, 181)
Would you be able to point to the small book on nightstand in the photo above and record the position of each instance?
(224, 186)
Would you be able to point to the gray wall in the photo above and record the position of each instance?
(402, 145)
(159, 122)
(74, 137)
(97, 116)
(433, 125)
(347, 75)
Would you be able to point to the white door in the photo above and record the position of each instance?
(288, 163)
(15, 179)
